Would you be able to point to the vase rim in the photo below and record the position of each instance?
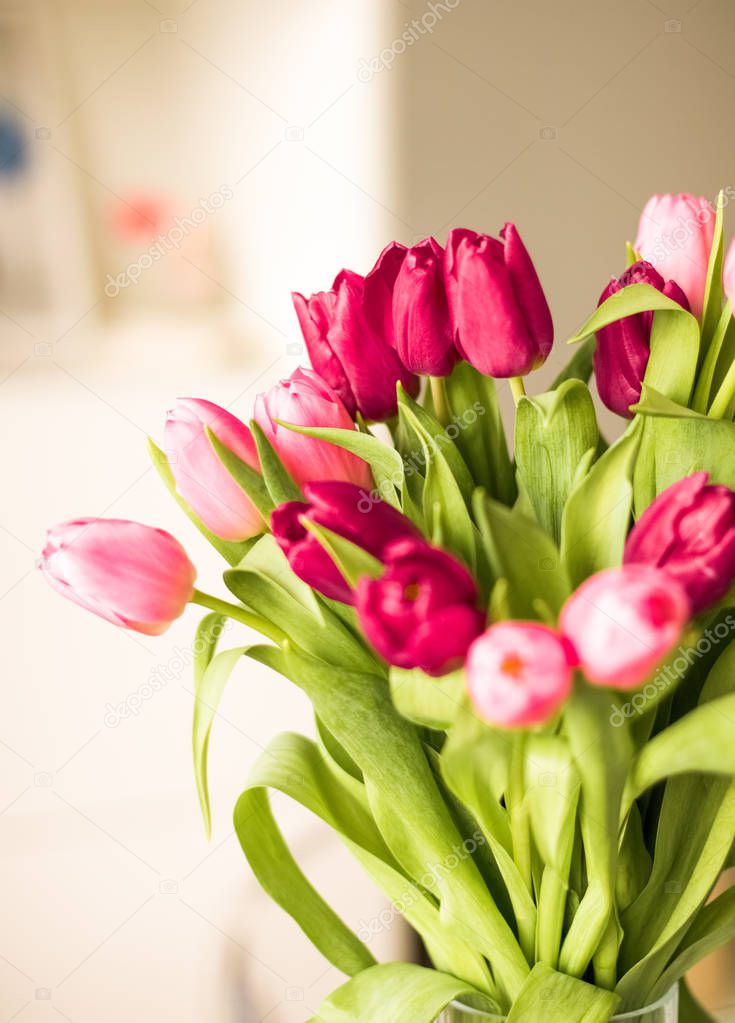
(658, 1004)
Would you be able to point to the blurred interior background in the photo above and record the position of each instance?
(169, 172)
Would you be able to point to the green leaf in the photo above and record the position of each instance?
(523, 554)
(556, 998)
(713, 288)
(210, 685)
(399, 992)
(436, 438)
(597, 514)
(690, 1011)
(473, 406)
(233, 552)
(409, 809)
(244, 475)
(276, 477)
(430, 702)
(636, 298)
(385, 462)
(553, 433)
(353, 562)
(705, 379)
(579, 366)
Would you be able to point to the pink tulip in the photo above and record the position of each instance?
(201, 478)
(519, 674)
(623, 621)
(306, 400)
(675, 234)
(500, 318)
(728, 275)
(689, 531)
(131, 575)
(349, 333)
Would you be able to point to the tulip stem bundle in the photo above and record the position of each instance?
(522, 669)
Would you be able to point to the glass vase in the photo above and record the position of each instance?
(665, 1010)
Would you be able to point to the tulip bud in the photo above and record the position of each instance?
(422, 612)
(675, 234)
(623, 347)
(344, 509)
(201, 478)
(728, 275)
(348, 334)
(306, 400)
(131, 575)
(689, 531)
(519, 674)
(423, 332)
(500, 317)
(622, 622)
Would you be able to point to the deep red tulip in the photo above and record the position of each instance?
(345, 509)
(500, 317)
(422, 612)
(422, 329)
(689, 531)
(623, 347)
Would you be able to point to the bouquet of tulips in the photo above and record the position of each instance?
(520, 665)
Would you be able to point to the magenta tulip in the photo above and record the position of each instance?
(422, 329)
(675, 234)
(519, 674)
(689, 531)
(622, 622)
(348, 334)
(306, 400)
(344, 509)
(623, 347)
(500, 318)
(131, 575)
(728, 275)
(422, 612)
(201, 478)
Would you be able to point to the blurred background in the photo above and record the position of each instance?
(169, 172)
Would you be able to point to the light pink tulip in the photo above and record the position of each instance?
(306, 400)
(728, 275)
(675, 234)
(622, 622)
(201, 478)
(518, 673)
(132, 575)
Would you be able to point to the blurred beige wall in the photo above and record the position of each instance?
(336, 127)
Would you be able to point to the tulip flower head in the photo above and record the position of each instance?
(623, 347)
(304, 399)
(422, 612)
(344, 509)
(689, 531)
(132, 575)
(201, 478)
(422, 328)
(675, 234)
(622, 622)
(519, 674)
(348, 334)
(500, 317)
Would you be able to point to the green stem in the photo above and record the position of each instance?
(439, 397)
(239, 614)
(519, 824)
(517, 388)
